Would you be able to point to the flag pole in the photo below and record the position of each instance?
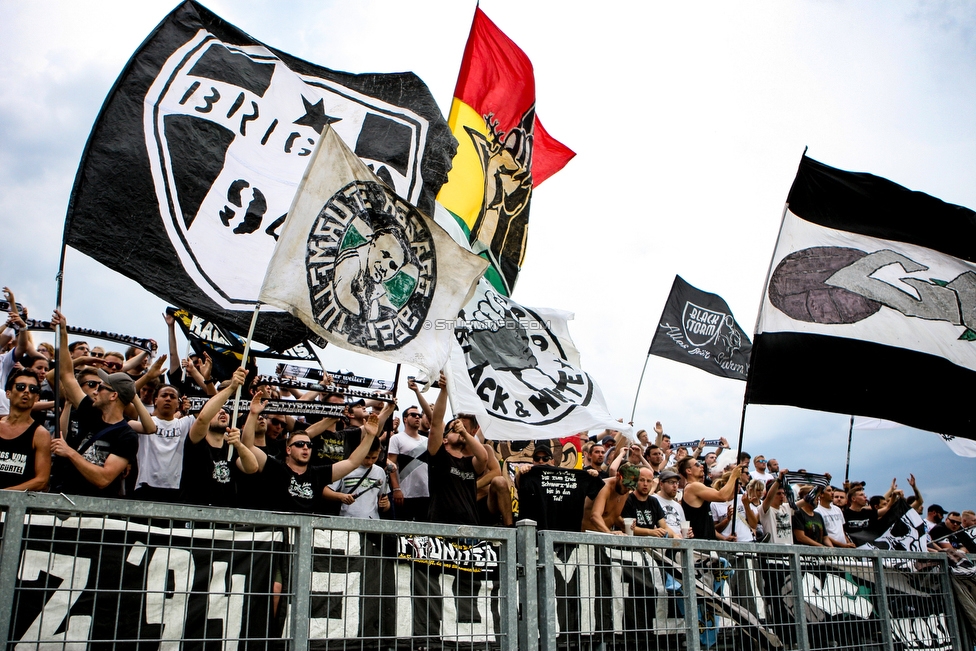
(59, 286)
(762, 299)
(639, 383)
(850, 435)
(247, 350)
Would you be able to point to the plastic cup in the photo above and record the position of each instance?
(629, 526)
(685, 528)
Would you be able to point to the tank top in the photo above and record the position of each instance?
(17, 458)
(700, 518)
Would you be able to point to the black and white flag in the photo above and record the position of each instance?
(191, 167)
(698, 328)
(871, 305)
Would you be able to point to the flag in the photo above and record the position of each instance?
(517, 370)
(366, 270)
(194, 159)
(870, 307)
(962, 447)
(900, 529)
(503, 150)
(698, 328)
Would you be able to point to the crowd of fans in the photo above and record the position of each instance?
(126, 430)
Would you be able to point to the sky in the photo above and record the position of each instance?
(688, 121)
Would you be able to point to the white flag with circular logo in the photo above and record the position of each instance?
(365, 269)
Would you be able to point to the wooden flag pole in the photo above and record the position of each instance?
(247, 350)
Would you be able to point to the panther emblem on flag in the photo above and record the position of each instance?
(371, 267)
(230, 129)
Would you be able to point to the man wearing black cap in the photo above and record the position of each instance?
(106, 444)
(933, 517)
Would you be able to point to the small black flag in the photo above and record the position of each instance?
(698, 328)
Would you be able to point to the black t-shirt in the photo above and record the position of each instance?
(453, 489)
(97, 440)
(958, 539)
(294, 492)
(208, 479)
(858, 521)
(812, 525)
(555, 497)
(646, 514)
(17, 458)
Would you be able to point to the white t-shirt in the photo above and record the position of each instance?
(160, 455)
(833, 517)
(761, 476)
(674, 514)
(367, 492)
(778, 523)
(6, 365)
(413, 471)
(743, 533)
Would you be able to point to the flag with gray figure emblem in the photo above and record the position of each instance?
(870, 308)
(192, 164)
(366, 270)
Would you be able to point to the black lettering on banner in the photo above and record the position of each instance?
(209, 101)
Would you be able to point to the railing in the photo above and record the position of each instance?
(84, 573)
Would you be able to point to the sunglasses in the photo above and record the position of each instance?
(544, 459)
(104, 387)
(23, 386)
(956, 522)
(302, 444)
(91, 384)
(115, 366)
(279, 423)
(412, 415)
(98, 355)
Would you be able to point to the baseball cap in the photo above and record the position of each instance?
(668, 474)
(121, 383)
(938, 509)
(353, 403)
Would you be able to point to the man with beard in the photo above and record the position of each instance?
(106, 444)
(209, 470)
(674, 513)
(648, 515)
(456, 459)
(408, 453)
(298, 486)
(25, 446)
(594, 460)
(697, 497)
(610, 501)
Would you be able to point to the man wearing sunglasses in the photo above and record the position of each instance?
(16, 329)
(25, 447)
(952, 535)
(211, 473)
(107, 444)
(298, 486)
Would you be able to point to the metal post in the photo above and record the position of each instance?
(302, 586)
(882, 585)
(528, 589)
(949, 600)
(796, 573)
(548, 627)
(689, 591)
(13, 533)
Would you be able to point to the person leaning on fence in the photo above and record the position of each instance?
(833, 517)
(107, 444)
(456, 459)
(646, 511)
(674, 513)
(494, 494)
(609, 502)
(697, 497)
(25, 446)
(949, 534)
(808, 525)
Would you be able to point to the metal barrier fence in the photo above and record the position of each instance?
(84, 573)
